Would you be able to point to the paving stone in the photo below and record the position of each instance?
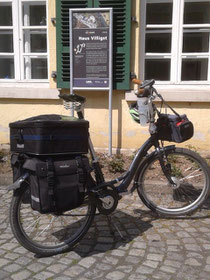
(23, 260)
(206, 246)
(136, 252)
(11, 256)
(24, 274)
(4, 275)
(44, 275)
(87, 262)
(139, 245)
(56, 268)
(118, 253)
(192, 247)
(125, 268)
(103, 266)
(74, 271)
(103, 247)
(64, 278)
(168, 269)
(207, 268)
(155, 257)
(94, 274)
(172, 263)
(137, 276)
(133, 260)
(117, 275)
(144, 270)
(165, 249)
(35, 267)
(12, 267)
(110, 260)
(4, 262)
(151, 264)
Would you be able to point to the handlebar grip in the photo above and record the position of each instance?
(136, 81)
(140, 91)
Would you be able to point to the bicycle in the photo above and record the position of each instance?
(169, 180)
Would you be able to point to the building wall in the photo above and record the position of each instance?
(126, 133)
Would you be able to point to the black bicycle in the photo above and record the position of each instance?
(169, 180)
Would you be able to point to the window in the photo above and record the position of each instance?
(23, 41)
(175, 46)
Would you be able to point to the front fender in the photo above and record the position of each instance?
(17, 184)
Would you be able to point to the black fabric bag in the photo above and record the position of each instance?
(57, 185)
(49, 135)
(17, 161)
(174, 128)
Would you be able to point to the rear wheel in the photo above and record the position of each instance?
(188, 171)
(48, 234)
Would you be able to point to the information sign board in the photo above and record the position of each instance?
(90, 46)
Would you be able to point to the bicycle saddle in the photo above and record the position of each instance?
(72, 97)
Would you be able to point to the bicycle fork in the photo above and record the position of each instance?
(165, 167)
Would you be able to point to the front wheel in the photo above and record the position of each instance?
(188, 171)
(48, 234)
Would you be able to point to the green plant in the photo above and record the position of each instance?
(176, 171)
(116, 164)
(193, 148)
(133, 155)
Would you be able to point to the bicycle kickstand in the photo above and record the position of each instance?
(110, 222)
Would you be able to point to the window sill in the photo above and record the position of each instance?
(28, 93)
(178, 93)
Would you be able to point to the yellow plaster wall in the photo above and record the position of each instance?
(126, 133)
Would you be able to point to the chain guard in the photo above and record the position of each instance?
(107, 201)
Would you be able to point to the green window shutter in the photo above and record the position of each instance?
(121, 40)
(62, 38)
(121, 36)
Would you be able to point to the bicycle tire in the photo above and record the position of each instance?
(48, 234)
(188, 170)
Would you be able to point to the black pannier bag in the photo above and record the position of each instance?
(49, 135)
(174, 128)
(57, 185)
(17, 161)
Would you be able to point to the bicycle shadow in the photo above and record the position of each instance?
(105, 235)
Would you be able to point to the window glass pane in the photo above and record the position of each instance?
(159, 43)
(5, 14)
(6, 68)
(194, 69)
(198, 12)
(196, 42)
(38, 43)
(35, 41)
(37, 15)
(39, 68)
(159, 13)
(158, 69)
(6, 41)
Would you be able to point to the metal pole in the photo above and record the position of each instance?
(71, 59)
(110, 80)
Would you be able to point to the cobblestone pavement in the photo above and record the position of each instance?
(152, 248)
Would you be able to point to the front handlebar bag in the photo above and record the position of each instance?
(49, 135)
(57, 185)
(174, 128)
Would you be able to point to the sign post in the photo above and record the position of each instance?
(91, 53)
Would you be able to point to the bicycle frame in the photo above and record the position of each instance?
(129, 175)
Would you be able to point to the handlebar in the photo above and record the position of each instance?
(144, 87)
